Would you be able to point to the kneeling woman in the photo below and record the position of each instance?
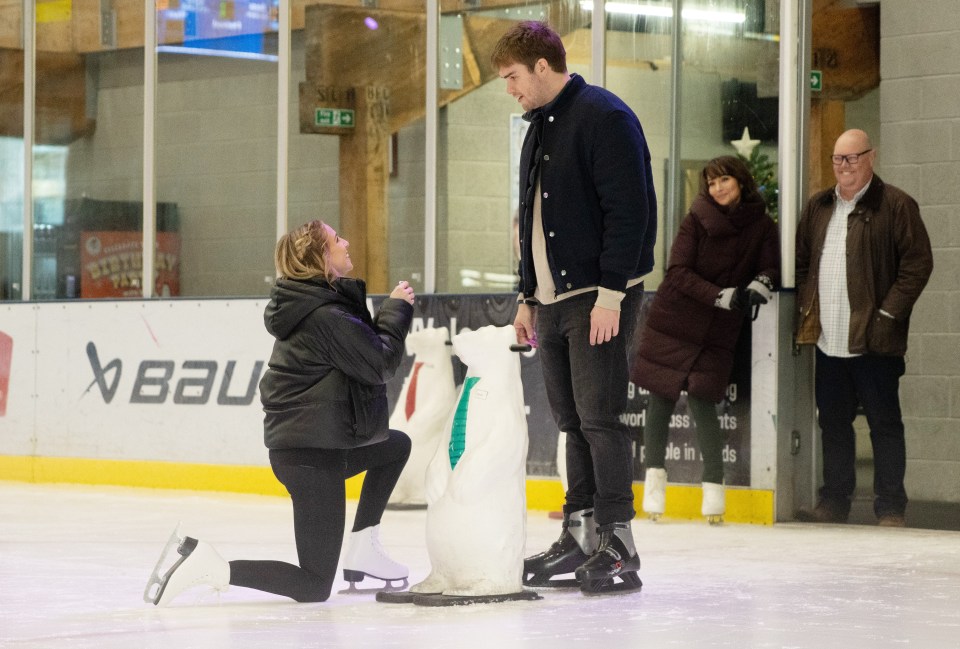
(326, 420)
(725, 259)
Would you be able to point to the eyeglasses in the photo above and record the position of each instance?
(851, 158)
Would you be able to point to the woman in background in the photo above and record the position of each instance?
(725, 259)
(326, 420)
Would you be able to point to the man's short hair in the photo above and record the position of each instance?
(527, 42)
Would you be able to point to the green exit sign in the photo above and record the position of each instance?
(341, 117)
(816, 80)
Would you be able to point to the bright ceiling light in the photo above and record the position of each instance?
(691, 13)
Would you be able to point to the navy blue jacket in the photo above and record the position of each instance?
(598, 204)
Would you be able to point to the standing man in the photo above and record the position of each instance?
(863, 258)
(588, 220)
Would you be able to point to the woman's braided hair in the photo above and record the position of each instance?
(302, 252)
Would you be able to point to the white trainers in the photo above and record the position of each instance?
(714, 503)
(367, 558)
(199, 564)
(655, 493)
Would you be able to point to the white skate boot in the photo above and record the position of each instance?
(367, 558)
(714, 503)
(199, 564)
(655, 493)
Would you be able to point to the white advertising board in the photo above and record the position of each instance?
(157, 380)
(17, 378)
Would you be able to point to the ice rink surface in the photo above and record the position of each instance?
(74, 562)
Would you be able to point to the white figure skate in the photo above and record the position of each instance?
(655, 493)
(199, 564)
(714, 503)
(367, 558)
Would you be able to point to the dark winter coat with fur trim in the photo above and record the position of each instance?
(688, 342)
(324, 386)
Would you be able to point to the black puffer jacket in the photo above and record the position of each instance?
(324, 387)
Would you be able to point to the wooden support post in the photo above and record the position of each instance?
(61, 116)
(364, 172)
(827, 122)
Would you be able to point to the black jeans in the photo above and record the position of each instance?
(873, 382)
(587, 389)
(319, 509)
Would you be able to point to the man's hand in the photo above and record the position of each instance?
(525, 325)
(604, 325)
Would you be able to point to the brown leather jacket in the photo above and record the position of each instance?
(888, 263)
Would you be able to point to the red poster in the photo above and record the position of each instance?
(6, 357)
(111, 264)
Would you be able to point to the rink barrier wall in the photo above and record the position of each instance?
(151, 393)
(754, 506)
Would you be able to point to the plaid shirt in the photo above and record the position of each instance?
(834, 300)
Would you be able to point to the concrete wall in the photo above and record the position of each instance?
(920, 129)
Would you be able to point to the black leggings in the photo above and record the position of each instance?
(709, 436)
(316, 487)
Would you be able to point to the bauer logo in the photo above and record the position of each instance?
(192, 382)
(6, 359)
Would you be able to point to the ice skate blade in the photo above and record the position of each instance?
(547, 582)
(156, 579)
(388, 587)
(654, 516)
(715, 519)
(439, 599)
(630, 583)
(401, 507)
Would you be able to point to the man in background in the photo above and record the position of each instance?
(863, 258)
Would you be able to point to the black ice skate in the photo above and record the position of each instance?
(576, 543)
(615, 559)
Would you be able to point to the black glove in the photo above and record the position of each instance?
(754, 298)
(731, 299)
(760, 290)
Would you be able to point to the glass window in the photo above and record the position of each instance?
(357, 133)
(87, 158)
(638, 69)
(357, 150)
(216, 146)
(729, 91)
(481, 133)
(11, 151)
